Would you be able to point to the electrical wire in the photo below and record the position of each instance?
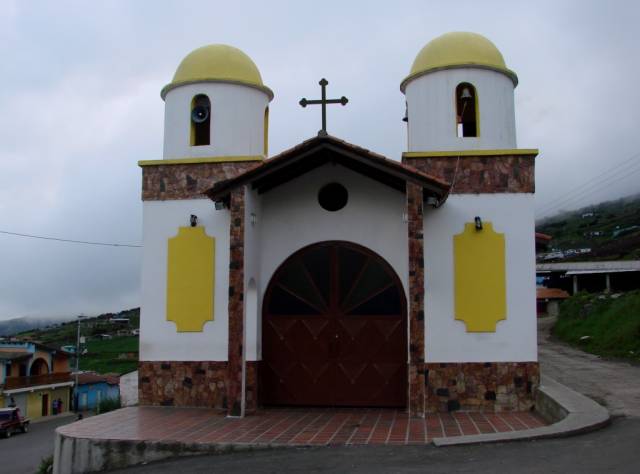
(71, 241)
(599, 183)
(622, 167)
(590, 190)
(595, 184)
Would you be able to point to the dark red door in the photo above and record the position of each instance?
(334, 330)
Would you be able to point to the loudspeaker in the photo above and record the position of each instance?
(200, 114)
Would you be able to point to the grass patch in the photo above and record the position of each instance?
(601, 324)
(106, 356)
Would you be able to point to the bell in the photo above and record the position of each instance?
(466, 94)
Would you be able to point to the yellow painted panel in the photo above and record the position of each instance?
(479, 277)
(190, 279)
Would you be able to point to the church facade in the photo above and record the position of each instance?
(329, 275)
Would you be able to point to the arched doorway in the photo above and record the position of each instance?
(39, 367)
(334, 330)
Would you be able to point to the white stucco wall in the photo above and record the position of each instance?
(253, 301)
(515, 339)
(291, 218)
(159, 339)
(237, 121)
(432, 111)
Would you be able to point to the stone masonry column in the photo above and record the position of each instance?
(416, 300)
(235, 365)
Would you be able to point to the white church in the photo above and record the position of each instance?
(329, 275)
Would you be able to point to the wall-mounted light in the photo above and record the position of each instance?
(432, 201)
(478, 223)
(405, 217)
(219, 205)
(253, 218)
(193, 220)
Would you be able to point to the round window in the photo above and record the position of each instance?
(333, 197)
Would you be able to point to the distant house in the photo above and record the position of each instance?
(542, 242)
(625, 230)
(135, 332)
(548, 300)
(123, 321)
(94, 388)
(129, 389)
(34, 376)
(591, 276)
(588, 214)
(103, 336)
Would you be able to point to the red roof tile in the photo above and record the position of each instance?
(551, 293)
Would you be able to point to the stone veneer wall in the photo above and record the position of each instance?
(236, 302)
(183, 383)
(193, 384)
(489, 386)
(480, 174)
(251, 386)
(188, 181)
(416, 300)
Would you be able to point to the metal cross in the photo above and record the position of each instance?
(324, 101)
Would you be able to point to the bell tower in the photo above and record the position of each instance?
(480, 292)
(216, 106)
(459, 96)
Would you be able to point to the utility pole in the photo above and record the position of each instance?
(75, 388)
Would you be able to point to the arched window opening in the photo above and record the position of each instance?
(466, 110)
(266, 132)
(39, 367)
(200, 121)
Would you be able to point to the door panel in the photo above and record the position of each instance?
(334, 330)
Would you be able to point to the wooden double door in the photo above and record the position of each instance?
(334, 330)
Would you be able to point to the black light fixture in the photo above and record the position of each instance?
(478, 223)
(194, 220)
(219, 205)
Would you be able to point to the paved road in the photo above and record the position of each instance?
(614, 449)
(22, 453)
(613, 384)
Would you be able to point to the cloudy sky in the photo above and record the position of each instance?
(80, 105)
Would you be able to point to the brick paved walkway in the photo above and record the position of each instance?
(323, 426)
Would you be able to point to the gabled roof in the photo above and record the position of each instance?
(323, 149)
(17, 355)
(540, 237)
(91, 377)
(551, 293)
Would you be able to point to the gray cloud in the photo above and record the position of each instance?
(80, 106)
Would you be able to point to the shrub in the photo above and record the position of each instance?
(109, 404)
(46, 465)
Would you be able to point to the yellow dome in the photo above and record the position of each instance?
(458, 49)
(217, 63)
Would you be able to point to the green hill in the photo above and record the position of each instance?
(117, 352)
(610, 229)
